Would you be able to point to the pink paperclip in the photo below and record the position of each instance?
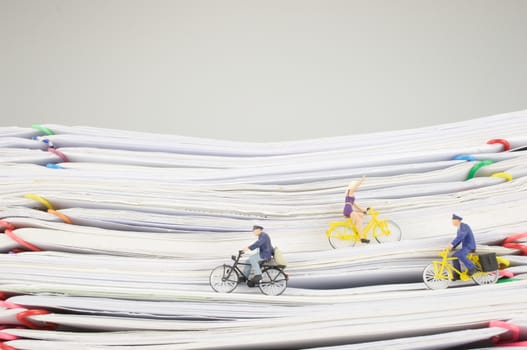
(59, 154)
(506, 273)
(6, 336)
(8, 305)
(514, 332)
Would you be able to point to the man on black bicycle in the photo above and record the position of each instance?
(263, 244)
(466, 238)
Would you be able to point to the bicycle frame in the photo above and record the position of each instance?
(446, 263)
(237, 263)
(368, 229)
(226, 277)
(235, 266)
(382, 224)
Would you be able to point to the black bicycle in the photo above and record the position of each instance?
(225, 278)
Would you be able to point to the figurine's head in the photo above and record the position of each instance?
(456, 220)
(257, 229)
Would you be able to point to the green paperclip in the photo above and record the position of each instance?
(42, 129)
(478, 166)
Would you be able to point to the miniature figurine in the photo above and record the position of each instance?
(357, 215)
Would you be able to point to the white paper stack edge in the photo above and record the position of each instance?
(153, 214)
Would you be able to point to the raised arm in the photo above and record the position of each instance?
(354, 187)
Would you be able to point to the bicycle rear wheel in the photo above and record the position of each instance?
(342, 235)
(273, 282)
(388, 231)
(484, 278)
(436, 277)
(223, 279)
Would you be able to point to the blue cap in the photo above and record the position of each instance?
(257, 227)
(456, 217)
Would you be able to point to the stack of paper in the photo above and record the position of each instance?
(110, 237)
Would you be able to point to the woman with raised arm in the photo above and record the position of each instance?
(353, 211)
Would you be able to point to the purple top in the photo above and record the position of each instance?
(348, 207)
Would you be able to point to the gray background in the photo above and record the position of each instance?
(260, 70)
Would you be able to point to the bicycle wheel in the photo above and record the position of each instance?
(342, 235)
(273, 282)
(483, 278)
(432, 280)
(223, 279)
(387, 231)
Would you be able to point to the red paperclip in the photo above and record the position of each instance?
(510, 242)
(505, 143)
(6, 347)
(6, 225)
(7, 337)
(514, 344)
(10, 234)
(23, 317)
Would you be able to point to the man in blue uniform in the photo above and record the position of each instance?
(465, 237)
(265, 252)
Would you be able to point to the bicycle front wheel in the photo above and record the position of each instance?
(436, 277)
(223, 279)
(387, 231)
(342, 235)
(273, 282)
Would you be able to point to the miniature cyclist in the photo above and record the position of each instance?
(357, 216)
(466, 238)
(265, 252)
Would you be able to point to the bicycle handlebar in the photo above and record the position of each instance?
(371, 211)
(237, 257)
(444, 253)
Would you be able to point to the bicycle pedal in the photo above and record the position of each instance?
(256, 279)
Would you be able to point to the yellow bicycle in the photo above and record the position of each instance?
(343, 234)
(439, 274)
